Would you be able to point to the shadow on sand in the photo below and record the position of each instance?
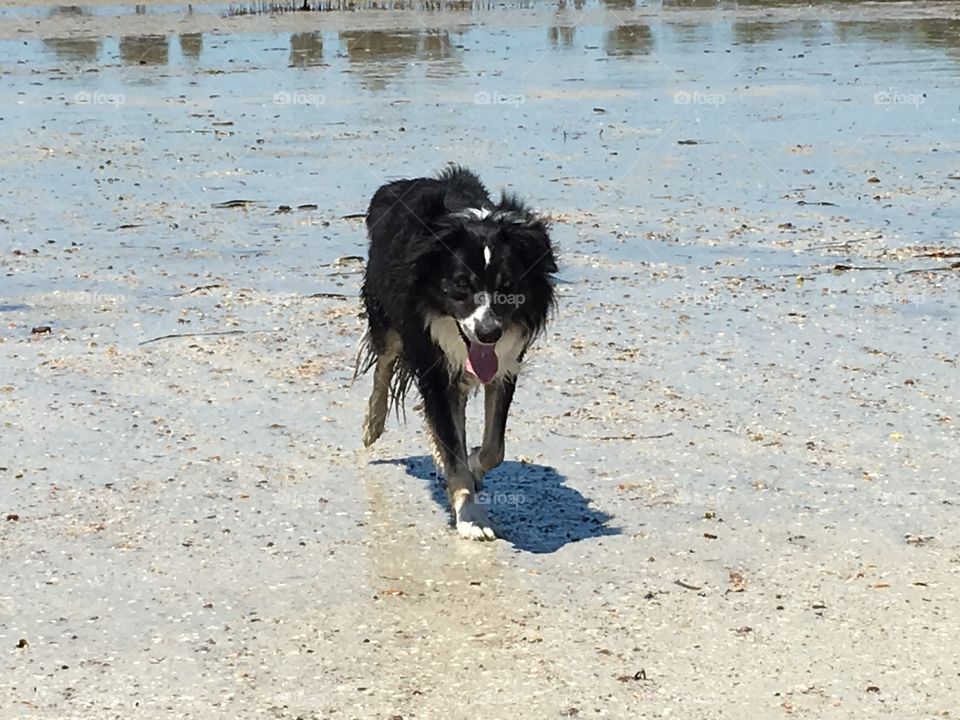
(530, 506)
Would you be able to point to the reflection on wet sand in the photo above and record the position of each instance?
(927, 32)
(561, 36)
(920, 33)
(191, 45)
(435, 45)
(144, 50)
(379, 45)
(710, 4)
(628, 40)
(67, 11)
(381, 55)
(687, 33)
(562, 32)
(439, 53)
(270, 7)
(752, 32)
(306, 49)
(378, 56)
(74, 49)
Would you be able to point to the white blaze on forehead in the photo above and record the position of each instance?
(487, 255)
(469, 323)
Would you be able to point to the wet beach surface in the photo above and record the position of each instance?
(731, 484)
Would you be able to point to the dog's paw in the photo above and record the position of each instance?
(369, 437)
(371, 432)
(473, 523)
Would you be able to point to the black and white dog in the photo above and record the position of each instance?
(456, 288)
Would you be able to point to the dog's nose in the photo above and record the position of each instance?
(489, 331)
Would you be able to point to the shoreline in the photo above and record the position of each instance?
(213, 19)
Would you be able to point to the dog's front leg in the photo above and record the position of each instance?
(444, 404)
(496, 404)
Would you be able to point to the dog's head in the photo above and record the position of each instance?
(492, 271)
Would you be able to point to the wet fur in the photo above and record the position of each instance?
(427, 235)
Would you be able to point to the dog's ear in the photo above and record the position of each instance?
(462, 189)
(529, 234)
(531, 239)
(454, 201)
(435, 203)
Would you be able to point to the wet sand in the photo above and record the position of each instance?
(730, 487)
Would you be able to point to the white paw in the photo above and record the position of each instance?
(473, 523)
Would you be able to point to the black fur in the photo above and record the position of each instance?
(442, 253)
(416, 240)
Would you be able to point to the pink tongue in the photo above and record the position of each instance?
(482, 361)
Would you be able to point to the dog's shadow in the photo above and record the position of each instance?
(529, 504)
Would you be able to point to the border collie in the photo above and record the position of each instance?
(456, 288)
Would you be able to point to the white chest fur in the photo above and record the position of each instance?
(444, 331)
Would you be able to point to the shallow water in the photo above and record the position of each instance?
(731, 462)
(776, 113)
(699, 146)
(774, 140)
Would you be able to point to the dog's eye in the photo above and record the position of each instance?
(505, 284)
(458, 286)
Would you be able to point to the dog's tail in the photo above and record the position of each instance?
(399, 386)
(366, 357)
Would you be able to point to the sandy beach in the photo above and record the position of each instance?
(731, 479)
